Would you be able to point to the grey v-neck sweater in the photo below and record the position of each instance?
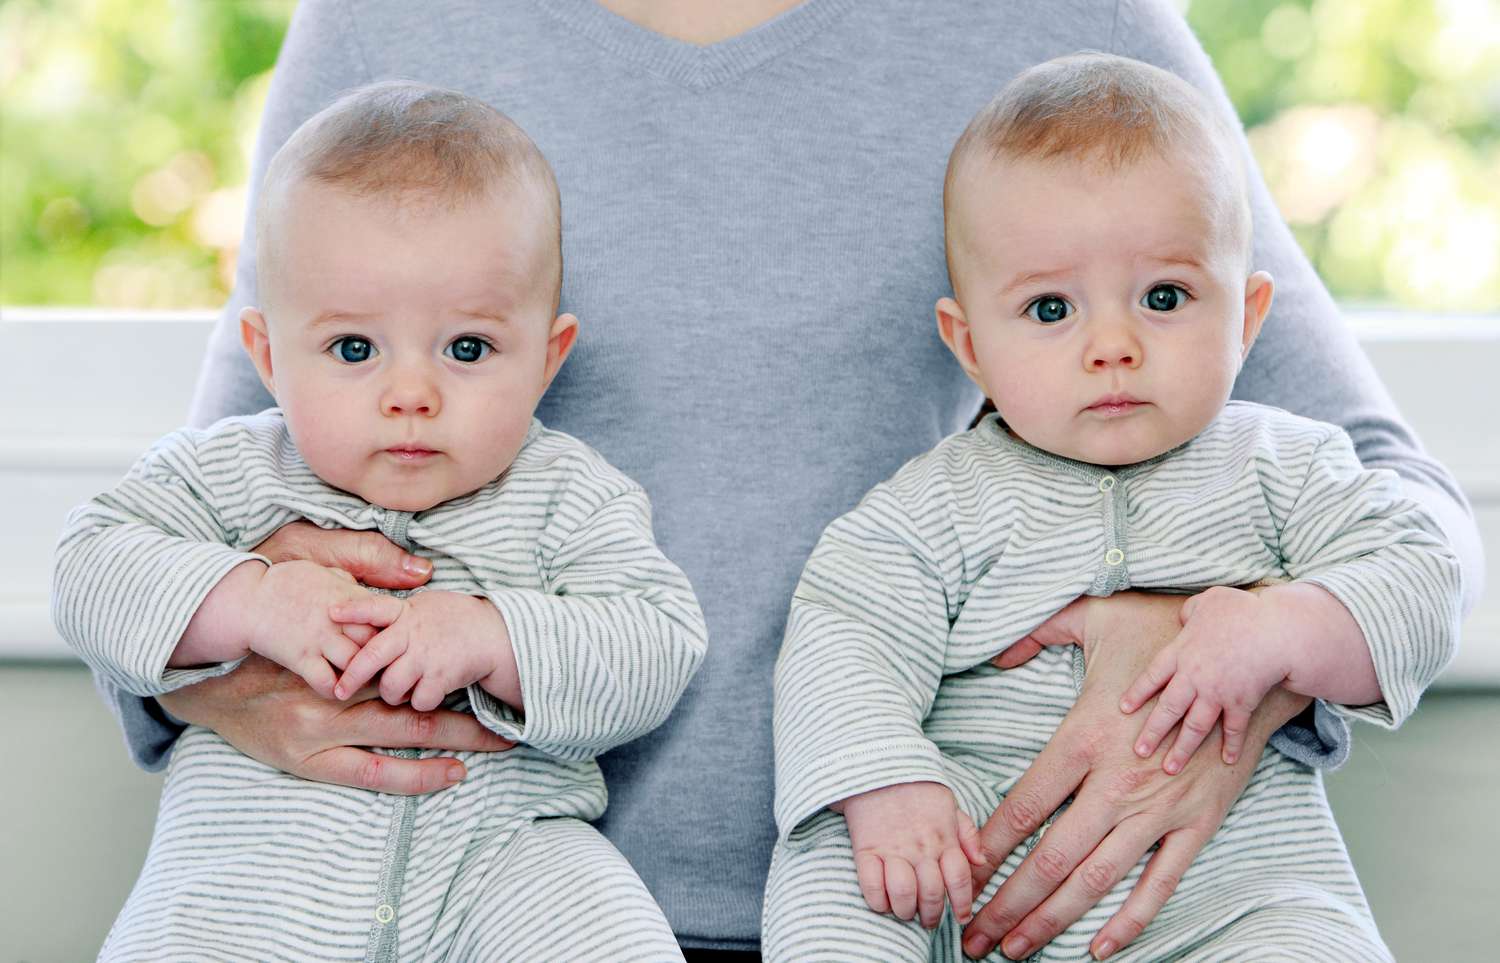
(753, 242)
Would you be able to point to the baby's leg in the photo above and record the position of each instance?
(563, 892)
(814, 909)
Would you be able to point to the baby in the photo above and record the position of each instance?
(1099, 248)
(410, 266)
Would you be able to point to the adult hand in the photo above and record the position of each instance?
(270, 715)
(1122, 804)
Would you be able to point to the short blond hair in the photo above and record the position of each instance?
(1099, 108)
(412, 141)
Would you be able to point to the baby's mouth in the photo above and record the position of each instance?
(412, 453)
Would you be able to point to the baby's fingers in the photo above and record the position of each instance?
(968, 838)
(1236, 722)
(1172, 705)
(959, 881)
(930, 893)
(901, 887)
(871, 873)
(376, 610)
(376, 654)
(338, 649)
(1149, 682)
(1195, 728)
(315, 671)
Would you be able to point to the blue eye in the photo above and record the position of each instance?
(468, 349)
(1048, 309)
(352, 350)
(1164, 297)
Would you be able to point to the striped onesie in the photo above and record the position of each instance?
(884, 676)
(251, 862)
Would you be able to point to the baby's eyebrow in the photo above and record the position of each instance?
(334, 316)
(1024, 280)
(1184, 260)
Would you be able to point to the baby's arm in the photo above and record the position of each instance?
(858, 671)
(1370, 621)
(605, 650)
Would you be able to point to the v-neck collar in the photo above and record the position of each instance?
(689, 65)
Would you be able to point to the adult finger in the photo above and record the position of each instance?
(1018, 653)
(362, 769)
(1084, 887)
(901, 887)
(959, 884)
(1053, 776)
(368, 556)
(1065, 844)
(374, 723)
(1195, 728)
(376, 654)
(870, 871)
(930, 892)
(1173, 705)
(1157, 883)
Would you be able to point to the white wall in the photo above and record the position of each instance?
(86, 393)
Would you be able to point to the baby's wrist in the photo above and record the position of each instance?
(504, 679)
(222, 628)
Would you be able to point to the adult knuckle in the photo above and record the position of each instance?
(369, 772)
(1130, 924)
(1126, 781)
(1163, 884)
(1021, 812)
(422, 726)
(1044, 924)
(1097, 877)
(1051, 865)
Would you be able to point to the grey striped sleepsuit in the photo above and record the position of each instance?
(248, 862)
(884, 676)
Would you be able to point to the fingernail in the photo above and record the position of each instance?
(1141, 749)
(1016, 947)
(1106, 947)
(1124, 705)
(338, 690)
(978, 945)
(455, 773)
(1172, 766)
(416, 565)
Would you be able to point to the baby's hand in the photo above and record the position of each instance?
(911, 843)
(1228, 655)
(290, 623)
(429, 645)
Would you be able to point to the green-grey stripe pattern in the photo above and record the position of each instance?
(247, 860)
(884, 674)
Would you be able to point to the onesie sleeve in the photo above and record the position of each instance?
(606, 651)
(1352, 532)
(860, 664)
(134, 564)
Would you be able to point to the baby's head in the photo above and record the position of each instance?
(409, 261)
(1098, 236)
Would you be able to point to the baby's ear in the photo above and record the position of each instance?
(257, 341)
(1259, 289)
(953, 328)
(560, 340)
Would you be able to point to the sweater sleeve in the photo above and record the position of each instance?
(860, 664)
(607, 649)
(134, 564)
(1351, 531)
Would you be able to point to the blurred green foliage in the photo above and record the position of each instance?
(125, 128)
